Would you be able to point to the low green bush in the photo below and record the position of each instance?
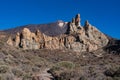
(63, 65)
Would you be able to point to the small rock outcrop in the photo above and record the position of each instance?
(10, 41)
(28, 39)
(77, 38)
(17, 39)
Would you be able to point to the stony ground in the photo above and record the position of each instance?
(17, 64)
(44, 64)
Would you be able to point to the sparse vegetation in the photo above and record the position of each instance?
(27, 76)
(17, 72)
(62, 64)
(4, 68)
(113, 72)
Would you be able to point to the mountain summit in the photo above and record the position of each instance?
(61, 35)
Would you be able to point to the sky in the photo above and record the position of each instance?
(104, 14)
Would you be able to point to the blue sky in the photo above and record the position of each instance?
(104, 14)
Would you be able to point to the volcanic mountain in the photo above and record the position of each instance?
(51, 29)
(58, 51)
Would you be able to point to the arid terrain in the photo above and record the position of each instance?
(18, 64)
(51, 63)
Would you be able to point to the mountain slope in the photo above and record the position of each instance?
(51, 29)
(67, 51)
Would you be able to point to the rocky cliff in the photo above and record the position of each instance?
(76, 37)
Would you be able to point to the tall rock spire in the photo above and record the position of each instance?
(86, 23)
(17, 39)
(77, 20)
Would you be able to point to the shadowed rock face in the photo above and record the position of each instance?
(61, 35)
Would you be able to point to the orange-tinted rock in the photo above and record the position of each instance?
(79, 38)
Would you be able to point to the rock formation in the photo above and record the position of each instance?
(77, 20)
(28, 39)
(74, 24)
(17, 39)
(78, 38)
(10, 41)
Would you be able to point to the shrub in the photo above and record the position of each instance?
(113, 72)
(3, 69)
(64, 65)
(35, 69)
(5, 52)
(62, 70)
(17, 72)
(6, 76)
(82, 78)
(27, 76)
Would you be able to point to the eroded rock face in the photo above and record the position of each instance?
(88, 37)
(17, 39)
(26, 40)
(78, 38)
(10, 41)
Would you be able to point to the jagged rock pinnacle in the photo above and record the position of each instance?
(86, 23)
(17, 39)
(77, 20)
(73, 20)
(79, 39)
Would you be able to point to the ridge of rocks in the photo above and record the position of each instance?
(77, 38)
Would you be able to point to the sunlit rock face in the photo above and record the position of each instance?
(70, 36)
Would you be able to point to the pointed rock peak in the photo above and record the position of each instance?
(77, 20)
(73, 20)
(86, 23)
